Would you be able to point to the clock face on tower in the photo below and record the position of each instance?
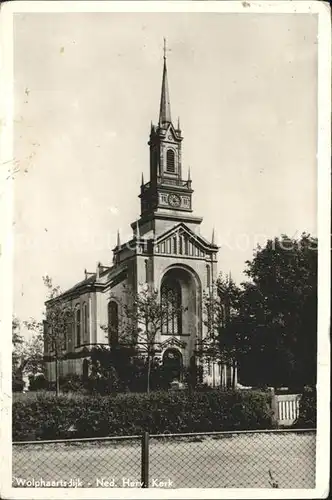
(174, 200)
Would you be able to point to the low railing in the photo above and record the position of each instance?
(174, 182)
(168, 181)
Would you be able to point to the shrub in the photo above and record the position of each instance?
(17, 383)
(71, 383)
(37, 382)
(48, 417)
(308, 409)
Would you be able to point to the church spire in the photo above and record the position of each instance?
(165, 105)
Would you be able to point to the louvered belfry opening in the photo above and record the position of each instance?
(170, 161)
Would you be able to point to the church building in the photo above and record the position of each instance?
(166, 252)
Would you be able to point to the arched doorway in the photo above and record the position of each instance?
(172, 364)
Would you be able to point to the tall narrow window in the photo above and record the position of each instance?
(78, 325)
(85, 321)
(208, 276)
(171, 300)
(113, 322)
(170, 161)
(67, 338)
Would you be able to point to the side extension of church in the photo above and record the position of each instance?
(166, 252)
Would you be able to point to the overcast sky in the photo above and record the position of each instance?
(87, 87)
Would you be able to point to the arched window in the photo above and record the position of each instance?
(208, 276)
(78, 325)
(170, 161)
(85, 321)
(172, 314)
(113, 322)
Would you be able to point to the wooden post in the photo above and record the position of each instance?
(145, 460)
(274, 407)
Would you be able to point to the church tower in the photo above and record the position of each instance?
(167, 197)
(170, 254)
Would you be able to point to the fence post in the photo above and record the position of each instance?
(145, 460)
(274, 406)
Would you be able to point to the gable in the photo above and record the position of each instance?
(171, 135)
(182, 241)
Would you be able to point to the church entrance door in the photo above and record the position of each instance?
(172, 363)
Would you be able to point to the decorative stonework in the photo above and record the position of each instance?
(185, 201)
(173, 342)
(180, 243)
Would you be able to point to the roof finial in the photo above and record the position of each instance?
(179, 123)
(142, 179)
(213, 237)
(118, 244)
(189, 176)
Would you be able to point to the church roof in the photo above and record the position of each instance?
(107, 275)
(78, 286)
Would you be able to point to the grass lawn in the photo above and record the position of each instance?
(239, 461)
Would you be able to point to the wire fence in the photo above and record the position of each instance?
(244, 459)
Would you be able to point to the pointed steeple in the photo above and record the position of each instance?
(165, 105)
(142, 181)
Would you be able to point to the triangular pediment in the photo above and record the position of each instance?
(171, 134)
(173, 342)
(181, 240)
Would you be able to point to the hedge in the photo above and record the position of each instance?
(51, 417)
(308, 409)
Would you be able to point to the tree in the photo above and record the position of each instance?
(59, 320)
(144, 314)
(27, 354)
(220, 308)
(278, 313)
